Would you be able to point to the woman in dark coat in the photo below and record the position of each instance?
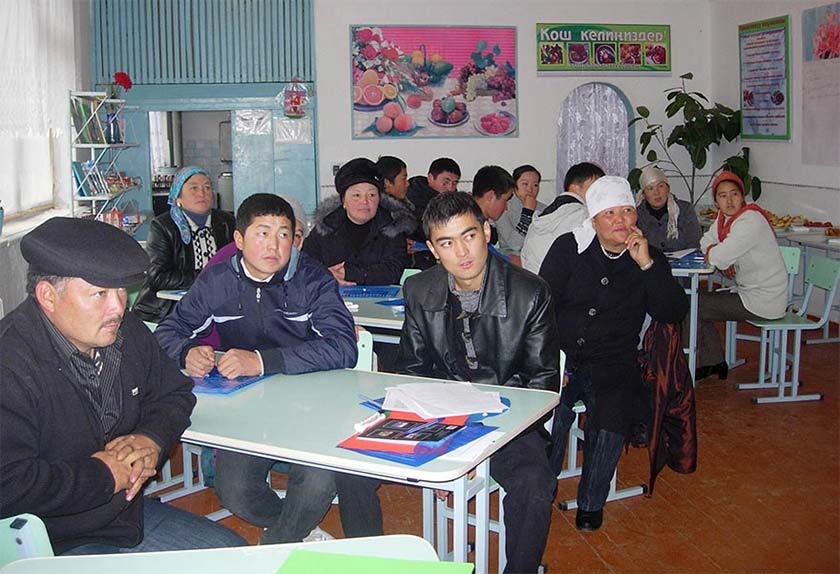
(604, 278)
(181, 242)
(360, 235)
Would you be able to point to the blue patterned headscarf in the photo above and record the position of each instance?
(174, 210)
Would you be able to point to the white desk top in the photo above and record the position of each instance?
(301, 418)
(813, 239)
(249, 559)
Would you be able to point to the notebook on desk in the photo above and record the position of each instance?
(686, 259)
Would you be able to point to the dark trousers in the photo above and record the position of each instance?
(718, 306)
(601, 448)
(521, 467)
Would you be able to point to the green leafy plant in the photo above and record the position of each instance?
(704, 124)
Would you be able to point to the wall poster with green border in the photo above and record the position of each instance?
(604, 48)
(764, 51)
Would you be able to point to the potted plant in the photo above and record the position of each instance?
(704, 124)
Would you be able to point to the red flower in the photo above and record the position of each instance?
(391, 54)
(123, 79)
(364, 35)
(369, 52)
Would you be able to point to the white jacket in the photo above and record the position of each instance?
(546, 228)
(760, 274)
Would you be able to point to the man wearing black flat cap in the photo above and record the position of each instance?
(90, 404)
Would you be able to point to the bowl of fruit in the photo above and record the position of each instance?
(448, 113)
(393, 122)
(496, 124)
(579, 54)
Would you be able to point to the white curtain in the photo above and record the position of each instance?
(37, 70)
(159, 140)
(592, 127)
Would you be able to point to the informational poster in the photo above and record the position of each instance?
(821, 85)
(639, 48)
(765, 79)
(433, 81)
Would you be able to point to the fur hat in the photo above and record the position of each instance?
(358, 170)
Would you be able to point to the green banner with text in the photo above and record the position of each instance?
(603, 48)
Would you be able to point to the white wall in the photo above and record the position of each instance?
(789, 186)
(539, 97)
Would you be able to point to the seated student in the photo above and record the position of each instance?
(566, 212)
(742, 244)
(514, 223)
(394, 174)
(182, 241)
(90, 405)
(604, 278)
(492, 188)
(276, 311)
(477, 318)
(360, 234)
(669, 224)
(444, 175)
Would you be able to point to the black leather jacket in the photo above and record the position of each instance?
(513, 331)
(173, 262)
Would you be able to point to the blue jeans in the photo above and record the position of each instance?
(601, 448)
(168, 528)
(241, 487)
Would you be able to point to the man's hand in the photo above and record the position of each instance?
(637, 245)
(239, 363)
(200, 360)
(338, 272)
(142, 468)
(123, 470)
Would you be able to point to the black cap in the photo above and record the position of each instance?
(358, 170)
(97, 252)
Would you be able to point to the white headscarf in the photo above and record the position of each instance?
(651, 175)
(604, 193)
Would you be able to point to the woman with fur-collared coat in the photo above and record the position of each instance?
(360, 235)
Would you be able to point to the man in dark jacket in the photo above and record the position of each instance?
(478, 318)
(443, 177)
(604, 278)
(90, 404)
(276, 311)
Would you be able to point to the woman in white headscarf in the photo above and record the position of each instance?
(669, 224)
(604, 278)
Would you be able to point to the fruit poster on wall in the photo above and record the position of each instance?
(821, 85)
(638, 48)
(433, 81)
(765, 79)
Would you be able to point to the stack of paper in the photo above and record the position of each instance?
(438, 400)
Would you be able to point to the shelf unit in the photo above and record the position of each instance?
(98, 188)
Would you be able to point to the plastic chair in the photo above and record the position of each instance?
(365, 346)
(408, 273)
(23, 536)
(823, 274)
(791, 256)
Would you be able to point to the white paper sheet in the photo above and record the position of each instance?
(436, 400)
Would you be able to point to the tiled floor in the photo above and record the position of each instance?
(764, 497)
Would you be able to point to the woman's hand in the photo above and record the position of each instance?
(637, 245)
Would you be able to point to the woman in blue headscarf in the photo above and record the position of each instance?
(181, 242)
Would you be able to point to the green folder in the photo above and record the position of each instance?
(308, 562)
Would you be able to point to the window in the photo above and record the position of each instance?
(592, 127)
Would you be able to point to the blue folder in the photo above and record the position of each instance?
(215, 384)
(691, 260)
(369, 291)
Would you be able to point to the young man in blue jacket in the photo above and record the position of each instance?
(276, 311)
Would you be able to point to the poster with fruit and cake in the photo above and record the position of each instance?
(637, 48)
(433, 81)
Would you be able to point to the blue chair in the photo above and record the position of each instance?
(23, 536)
(822, 274)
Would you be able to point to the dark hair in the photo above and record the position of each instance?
(262, 204)
(492, 178)
(445, 206)
(389, 167)
(523, 169)
(35, 277)
(443, 164)
(580, 172)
